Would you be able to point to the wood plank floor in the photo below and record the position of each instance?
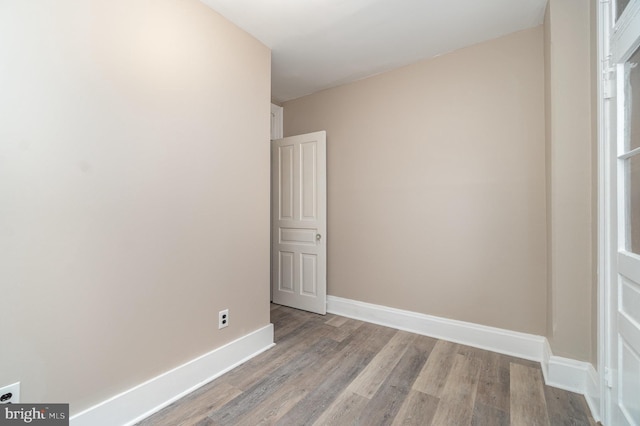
(331, 370)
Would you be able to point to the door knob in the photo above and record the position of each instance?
(318, 236)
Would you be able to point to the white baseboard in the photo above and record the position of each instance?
(563, 373)
(506, 342)
(592, 393)
(574, 376)
(149, 397)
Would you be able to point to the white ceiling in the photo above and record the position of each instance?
(317, 44)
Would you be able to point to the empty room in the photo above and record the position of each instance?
(329, 212)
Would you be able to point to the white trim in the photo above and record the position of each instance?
(149, 397)
(506, 342)
(629, 154)
(277, 122)
(606, 227)
(574, 376)
(592, 393)
(563, 373)
(604, 83)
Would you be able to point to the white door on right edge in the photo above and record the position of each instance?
(624, 332)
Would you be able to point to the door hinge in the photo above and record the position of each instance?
(608, 78)
(608, 89)
(608, 377)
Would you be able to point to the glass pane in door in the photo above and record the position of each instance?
(620, 6)
(633, 204)
(632, 95)
(632, 142)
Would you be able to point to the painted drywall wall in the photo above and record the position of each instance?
(570, 175)
(436, 184)
(134, 191)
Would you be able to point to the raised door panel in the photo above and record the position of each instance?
(286, 272)
(308, 177)
(285, 182)
(308, 274)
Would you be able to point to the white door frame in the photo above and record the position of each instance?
(277, 132)
(277, 122)
(606, 246)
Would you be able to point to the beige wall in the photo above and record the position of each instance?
(436, 184)
(134, 191)
(570, 172)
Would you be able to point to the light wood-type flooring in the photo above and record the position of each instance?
(331, 370)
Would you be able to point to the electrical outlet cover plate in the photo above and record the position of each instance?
(223, 319)
(10, 394)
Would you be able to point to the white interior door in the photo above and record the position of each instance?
(299, 222)
(623, 340)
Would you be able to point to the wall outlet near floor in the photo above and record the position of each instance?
(10, 394)
(223, 319)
